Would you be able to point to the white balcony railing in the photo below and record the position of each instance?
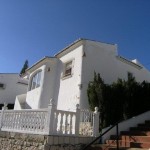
(24, 120)
(50, 121)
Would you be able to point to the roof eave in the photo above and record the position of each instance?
(61, 52)
(40, 61)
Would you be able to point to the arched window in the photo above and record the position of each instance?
(36, 81)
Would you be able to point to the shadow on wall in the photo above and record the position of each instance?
(27, 106)
(10, 106)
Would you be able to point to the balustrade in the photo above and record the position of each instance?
(50, 121)
(89, 122)
(65, 122)
(25, 120)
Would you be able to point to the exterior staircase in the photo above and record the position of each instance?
(137, 138)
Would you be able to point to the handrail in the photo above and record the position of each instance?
(116, 124)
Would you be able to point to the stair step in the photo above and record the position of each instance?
(137, 138)
(141, 145)
(147, 121)
(132, 138)
(143, 125)
(120, 142)
(106, 147)
(138, 133)
(128, 148)
(143, 128)
(128, 144)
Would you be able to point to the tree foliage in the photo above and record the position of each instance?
(119, 100)
(95, 94)
(25, 66)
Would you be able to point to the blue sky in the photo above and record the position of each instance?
(32, 29)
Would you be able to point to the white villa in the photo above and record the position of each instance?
(65, 77)
(55, 105)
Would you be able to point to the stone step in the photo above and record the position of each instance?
(132, 138)
(147, 122)
(141, 145)
(128, 148)
(136, 133)
(138, 138)
(106, 147)
(128, 144)
(143, 125)
(121, 148)
(143, 128)
(120, 142)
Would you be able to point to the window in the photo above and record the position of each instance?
(130, 75)
(36, 81)
(68, 69)
(2, 86)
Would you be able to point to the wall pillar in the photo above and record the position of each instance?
(96, 122)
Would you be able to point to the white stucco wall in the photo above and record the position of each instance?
(40, 97)
(33, 96)
(102, 58)
(50, 87)
(20, 102)
(33, 99)
(12, 88)
(140, 74)
(69, 92)
(99, 57)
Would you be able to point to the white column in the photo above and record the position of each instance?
(96, 122)
(2, 113)
(77, 121)
(51, 110)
